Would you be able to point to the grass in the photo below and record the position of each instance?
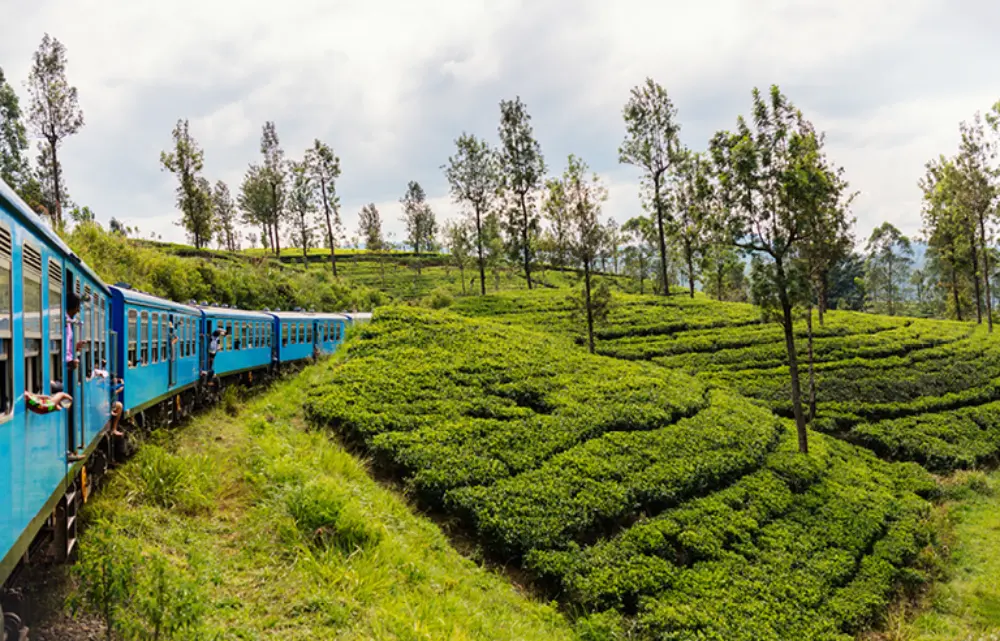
(297, 541)
(967, 605)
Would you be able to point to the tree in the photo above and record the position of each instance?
(47, 196)
(273, 174)
(759, 168)
(15, 170)
(693, 204)
(370, 227)
(640, 234)
(651, 143)
(226, 232)
(324, 166)
(979, 195)
(255, 202)
(612, 242)
(473, 177)
(584, 196)
(54, 112)
(556, 212)
(302, 203)
(458, 238)
(186, 161)
(419, 218)
(889, 258)
(82, 215)
(945, 224)
(522, 172)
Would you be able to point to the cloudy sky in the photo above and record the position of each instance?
(390, 85)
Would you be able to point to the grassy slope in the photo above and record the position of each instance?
(235, 504)
(967, 604)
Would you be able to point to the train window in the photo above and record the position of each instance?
(6, 324)
(284, 334)
(55, 322)
(229, 334)
(194, 337)
(309, 333)
(133, 353)
(31, 287)
(103, 331)
(144, 338)
(165, 335)
(154, 332)
(270, 333)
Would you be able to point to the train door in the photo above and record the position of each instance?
(172, 323)
(74, 371)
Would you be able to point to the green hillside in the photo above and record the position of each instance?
(654, 505)
(908, 389)
(246, 525)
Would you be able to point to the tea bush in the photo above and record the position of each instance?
(656, 505)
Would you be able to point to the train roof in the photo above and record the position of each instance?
(142, 298)
(295, 315)
(33, 221)
(233, 312)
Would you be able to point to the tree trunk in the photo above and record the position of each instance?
(812, 369)
(524, 239)
(954, 292)
(479, 249)
(57, 212)
(461, 271)
(890, 292)
(986, 273)
(823, 287)
(975, 277)
(793, 362)
(642, 275)
(590, 312)
(329, 228)
(663, 239)
(690, 261)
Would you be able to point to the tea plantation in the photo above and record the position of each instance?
(654, 504)
(909, 389)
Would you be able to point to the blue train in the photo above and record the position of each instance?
(160, 359)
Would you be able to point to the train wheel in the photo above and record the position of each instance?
(13, 629)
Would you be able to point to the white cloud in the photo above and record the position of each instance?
(391, 84)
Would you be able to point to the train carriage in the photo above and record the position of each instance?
(329, 330)
(247, 345)
(156, 347)
(294, 336)
(42, 455)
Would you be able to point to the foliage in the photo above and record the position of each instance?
(299, 542)
(421, 227)
(652, 144)
(663, 508)
(522, 172)
(216, 277)
(324, 168)
(15, 170)
(889, 259)
(473, 175)
(186, 161)
(54, 114)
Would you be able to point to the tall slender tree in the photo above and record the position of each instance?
(522, 173)
(889, 256)
(947, 244)
(979, 195)
(758, 167)
(324, 167)
(641, 235)
(302, 204)
(226, 231)
(474, 178)
(421, 226)
(584, 195)
(254, 201)
(54, 112)
(693, 194)
(652, 144)
(186, 161)
(370, 229)
(15, 169)
(274, 174)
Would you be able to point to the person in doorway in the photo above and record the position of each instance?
(72, 309)
(214, 345)
(42, 404)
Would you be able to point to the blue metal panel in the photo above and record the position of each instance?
(249, 341)
(291, 336)
(148, 379)
(330, 332)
